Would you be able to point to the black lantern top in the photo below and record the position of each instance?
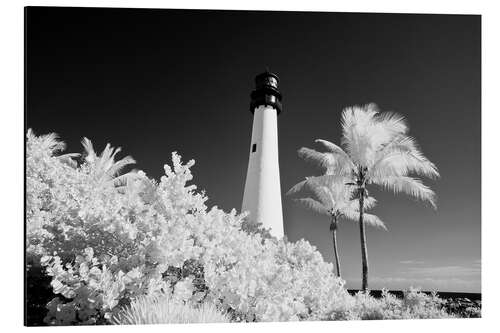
(266, 92)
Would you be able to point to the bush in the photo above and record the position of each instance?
(165, 309)
(414, 305)
(106, 246)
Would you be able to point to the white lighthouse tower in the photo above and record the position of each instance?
(262, 195)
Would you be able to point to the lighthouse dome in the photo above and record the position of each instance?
(266, 92)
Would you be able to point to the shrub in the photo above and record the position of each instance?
(414, 305)
(165, 309)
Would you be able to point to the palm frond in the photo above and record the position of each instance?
(366, 131)
(403, 164)
(318, 191)
(89, 150)
(322, 160)
(369, 203)
(361, 133)
(108, 157)
(393, 122)
(341, 164)
(374, 221)
(411, 186)
(329, 190)
(402, 157)
(104, 166)
(369, 219)
(401, 143)
(297, 187)
(331, 147)
(117, 166)
(335, 185)
(105, 160)
(68, 159)
(312, 204)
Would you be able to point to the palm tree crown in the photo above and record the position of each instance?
(329, 196)
(104, 168)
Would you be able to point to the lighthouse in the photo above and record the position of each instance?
(262, 195)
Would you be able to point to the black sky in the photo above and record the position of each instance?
(157, 81)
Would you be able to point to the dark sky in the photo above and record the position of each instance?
(157, 81)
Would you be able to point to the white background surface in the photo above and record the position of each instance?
(12, 161)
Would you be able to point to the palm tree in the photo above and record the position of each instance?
(104, 168)
(375, 150)
(330, 196)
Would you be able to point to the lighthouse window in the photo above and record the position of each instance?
(254, 148)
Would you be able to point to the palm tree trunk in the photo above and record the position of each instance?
(362, 235)
(335, 249)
